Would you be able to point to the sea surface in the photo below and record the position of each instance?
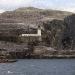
(39, 67)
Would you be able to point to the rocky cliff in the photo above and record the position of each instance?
(57, 26)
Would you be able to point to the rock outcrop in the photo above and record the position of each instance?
(58, 30)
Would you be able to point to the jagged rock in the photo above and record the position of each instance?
(54, 33)
(69, 35)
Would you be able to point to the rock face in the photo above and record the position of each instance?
(55, 29)
(69, 35)
(54, 33)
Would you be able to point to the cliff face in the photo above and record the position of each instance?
(55, 29)
(69, 35)
(54, 33)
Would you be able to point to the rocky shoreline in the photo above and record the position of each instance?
(23, 51)
(39, 57)
(53, 57)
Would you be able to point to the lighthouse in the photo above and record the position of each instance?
(39, 31)
(37, 35)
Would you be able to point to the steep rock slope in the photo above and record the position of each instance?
(12, 23)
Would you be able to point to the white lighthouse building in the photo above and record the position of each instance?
(37, 35)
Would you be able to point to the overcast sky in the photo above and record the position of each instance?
(67, 5)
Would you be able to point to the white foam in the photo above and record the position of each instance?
(10, 72)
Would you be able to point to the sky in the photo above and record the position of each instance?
(64, 5)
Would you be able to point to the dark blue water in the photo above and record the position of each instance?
(39, 67)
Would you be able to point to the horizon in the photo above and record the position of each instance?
(62, 5)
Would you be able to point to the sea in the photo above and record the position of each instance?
(39, 67)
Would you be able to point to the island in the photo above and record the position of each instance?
(32, 33)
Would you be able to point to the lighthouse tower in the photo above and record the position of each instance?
(39, 33)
